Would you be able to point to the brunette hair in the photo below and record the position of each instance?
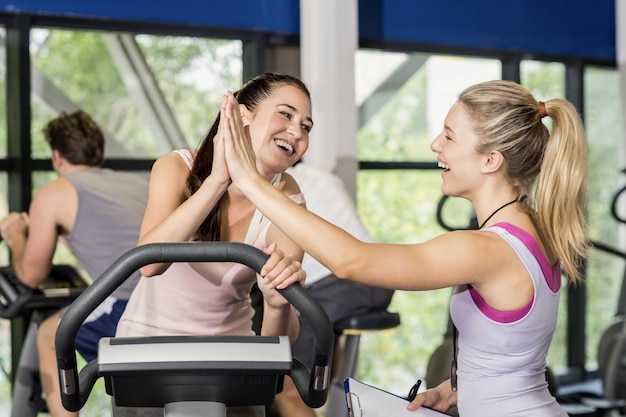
(255, 91)
(77, 137)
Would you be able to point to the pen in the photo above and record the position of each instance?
(414, 389)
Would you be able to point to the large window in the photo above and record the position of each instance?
(150, 93)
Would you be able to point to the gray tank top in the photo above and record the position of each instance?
(111, 206)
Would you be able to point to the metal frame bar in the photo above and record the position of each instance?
(18, 141)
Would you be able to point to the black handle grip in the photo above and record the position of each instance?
(75, 388)
(615, 204)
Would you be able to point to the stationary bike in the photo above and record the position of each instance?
(28, 306)
(191, 376)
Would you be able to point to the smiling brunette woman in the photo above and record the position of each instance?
(191, 198)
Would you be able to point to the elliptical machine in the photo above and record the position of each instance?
(191, 375)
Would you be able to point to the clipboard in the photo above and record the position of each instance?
(365, 400)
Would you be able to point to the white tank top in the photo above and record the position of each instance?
(502, 355)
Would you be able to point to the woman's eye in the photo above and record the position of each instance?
(286, 114)
(307, 128)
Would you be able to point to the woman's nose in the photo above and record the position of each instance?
(294, 130)
(434, 145)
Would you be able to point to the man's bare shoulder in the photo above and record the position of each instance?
(56, 190)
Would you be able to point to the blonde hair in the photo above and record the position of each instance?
(507, 118)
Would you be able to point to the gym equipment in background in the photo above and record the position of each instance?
(62, 286)
(29, 307)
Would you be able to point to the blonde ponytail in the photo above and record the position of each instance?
(507, 118)
(562, 185)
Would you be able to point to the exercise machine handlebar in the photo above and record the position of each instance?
(76, 387)
(441, 221)
(615, 203)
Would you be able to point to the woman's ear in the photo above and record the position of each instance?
(494, 162)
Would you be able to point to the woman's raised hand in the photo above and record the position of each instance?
(239, 153)
(219, 169)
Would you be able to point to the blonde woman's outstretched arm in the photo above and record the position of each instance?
(410, 267)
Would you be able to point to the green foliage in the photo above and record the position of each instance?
(398, 131)
(603, 115)
(192, 74)
(78, 63)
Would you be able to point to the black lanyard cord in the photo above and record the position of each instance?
(453, 367)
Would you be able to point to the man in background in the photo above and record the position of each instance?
(97, 213)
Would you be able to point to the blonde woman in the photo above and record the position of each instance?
(493, 149)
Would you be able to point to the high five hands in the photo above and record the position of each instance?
(236, 144)
(233, 146)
